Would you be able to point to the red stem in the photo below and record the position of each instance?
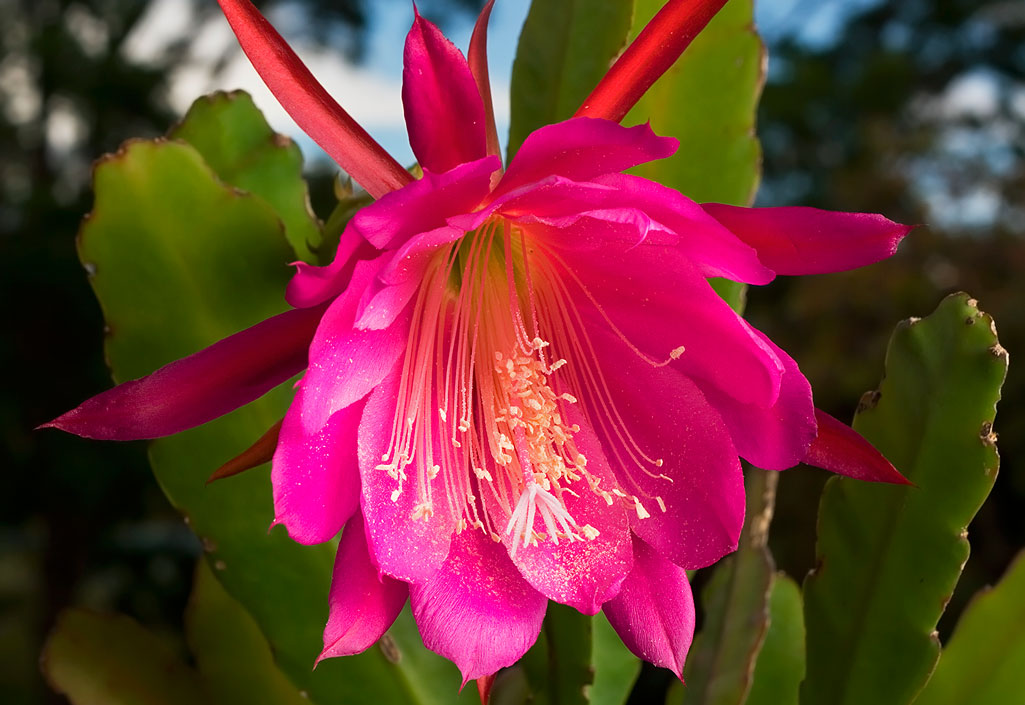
(656, 48)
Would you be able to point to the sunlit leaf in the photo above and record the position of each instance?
(780, 666)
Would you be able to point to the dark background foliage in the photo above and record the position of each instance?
(879, 116)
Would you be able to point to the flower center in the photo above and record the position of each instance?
(482, 401)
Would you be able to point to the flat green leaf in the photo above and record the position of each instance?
(984, 663)
(708, 100)
(615, 668)
(180, 260)
(565, 48)
(780, 666)
(735, 603)
(101, 660)
(238, 144)
(231, 654)
(888, 556)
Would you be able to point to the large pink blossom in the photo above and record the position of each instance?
(519, 384)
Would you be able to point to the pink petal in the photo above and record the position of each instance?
(345, 362)
(840, 449)
(660, 302)
(667, 418)
(425, 204)
(363, 603)
(656, 48)
(444, 113)
(315, 475)
(477, 57)
(582, 149)
(799, 240)
(581, 574)
(772, 437)
(477, 611)
(200, 387)
(312, 108)
(654, 610)
(312, 285)
(406, 548)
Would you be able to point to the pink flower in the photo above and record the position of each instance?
(520, 386)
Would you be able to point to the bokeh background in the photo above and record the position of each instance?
(915, 109)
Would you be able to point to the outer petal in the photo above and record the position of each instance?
(772, 437)
(346, 363)
(582, 574)
(477, 611)
(840, 449)
(315, 475)
(200, 387)
(663, 305)
(403, 547)
(477, 57)
(799, 240)
(313, 109)
(700, 481)
(444, 113)
(363, 603)
(582, 149)
(312, 285)
(654, 610)
(425, 204)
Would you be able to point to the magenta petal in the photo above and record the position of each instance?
(654, 610)
(312, 108)
(772, 437)
(444, 113)
(200, 387)
(477, 57)
(581, 149)
(425, 204)
(363, 603)
(404, 547)
(699, 481)
(798, 240)
(477, 611)
(661, 303)
(312, 285)
(581, 574)
(315, 475)
(346, 363)
(840, 449)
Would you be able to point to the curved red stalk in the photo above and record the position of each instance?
(312, 108)
(656, 48)
(477, 57)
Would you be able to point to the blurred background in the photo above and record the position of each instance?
(915, 109)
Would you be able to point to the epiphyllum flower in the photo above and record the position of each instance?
(520, 385)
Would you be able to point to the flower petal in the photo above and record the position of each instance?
(840, 449)
(582, 149)
(774, 437)
(312, 285)
(699, 481)
(425, 204)
(200, 387)
(406, 548)
(477, 58)
(582, 574)
(654, 610)
(345, 362)
(363, 603)
(315, 475)
(312, 108)
(444, 113)
(661, 304)
(656, 48)
(477, 611)
(798, 240)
